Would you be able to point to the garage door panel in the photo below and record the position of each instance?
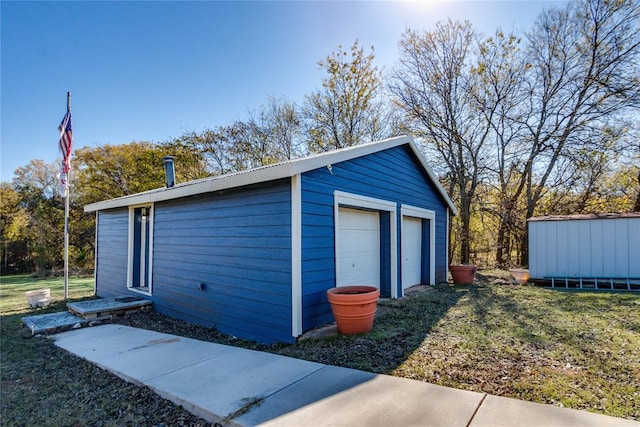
(359, 247)
(411, 251)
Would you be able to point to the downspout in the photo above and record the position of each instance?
(448, 231)
(296, 256)
(95, 258)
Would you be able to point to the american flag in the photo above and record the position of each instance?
(66, 140)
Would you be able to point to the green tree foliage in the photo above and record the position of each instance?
(347, 110)
(110, 171)
(38, 217)
(14, 221)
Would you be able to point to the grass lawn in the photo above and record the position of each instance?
(42, 385)
(12, 289)
(577, 350)
(571, 349)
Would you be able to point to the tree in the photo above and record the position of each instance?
(498, 94)
(347, 110)
(270, 135)
(434, 87)
(584, 73)
(13, 230)
(276, 129)
(37, 184)
(213, 145)
(110, 171)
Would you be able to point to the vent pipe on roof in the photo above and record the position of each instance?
(169, 171)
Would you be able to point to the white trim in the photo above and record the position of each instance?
(130, 248)
(269, 173)
(447, 233)
(296, 256)
(415, 212)
(95, 256)
(341, 198)
(358, 201)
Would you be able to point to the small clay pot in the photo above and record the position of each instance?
(463, 274)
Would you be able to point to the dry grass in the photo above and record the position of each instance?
(42, 385)
(577, 350)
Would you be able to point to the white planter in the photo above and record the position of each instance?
(33, 297)
(45, 301)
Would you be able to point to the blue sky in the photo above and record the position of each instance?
(150, 71)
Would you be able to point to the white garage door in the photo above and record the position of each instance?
(358, 252)
(411, 251)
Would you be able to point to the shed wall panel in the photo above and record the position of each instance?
(596, 244)
(562, 260)
(587, 248)
(634, 247)
(609, 239)
(392, 175)
(584, 248)
(573, 255)
(622, 247)
(551, 241)
(534, 248)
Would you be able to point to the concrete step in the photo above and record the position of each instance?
(84, 313)
(99, 308)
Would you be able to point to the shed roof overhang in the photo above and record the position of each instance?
(576, 217)
(269, 173)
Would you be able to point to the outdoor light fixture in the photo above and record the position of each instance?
(169, 171)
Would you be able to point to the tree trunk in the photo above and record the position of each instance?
(500, 244)
(465, 220)
(524, 242)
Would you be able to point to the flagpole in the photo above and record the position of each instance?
(66, 224)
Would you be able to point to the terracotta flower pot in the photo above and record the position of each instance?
(463, 274)
(520, 275)
(354, 308)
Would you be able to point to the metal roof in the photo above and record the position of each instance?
(269, 173)
(611, 215)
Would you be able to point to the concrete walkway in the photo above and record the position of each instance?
(237, 387)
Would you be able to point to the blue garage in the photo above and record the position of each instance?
(253, 253)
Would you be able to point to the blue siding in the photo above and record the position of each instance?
(393, 175)
(426, 249)
(238, 243)
(111, 253)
